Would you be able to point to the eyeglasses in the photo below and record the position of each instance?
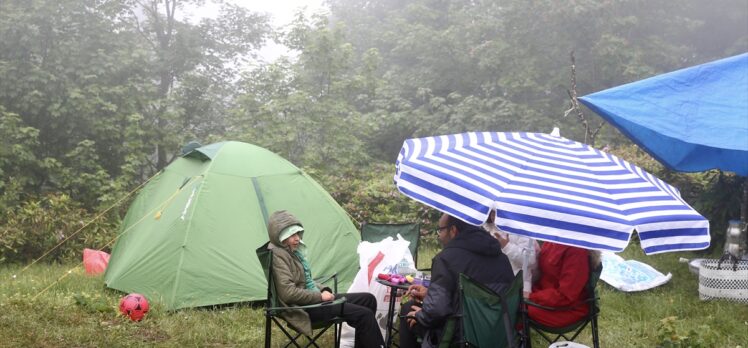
(439, 229)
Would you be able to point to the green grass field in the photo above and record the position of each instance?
(80, 312)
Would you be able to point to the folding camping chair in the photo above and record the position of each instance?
(487, 319)
(576, 328)
(273, 310)
(375, 232)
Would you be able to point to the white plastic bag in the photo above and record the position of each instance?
(376, 258)
(630, 275)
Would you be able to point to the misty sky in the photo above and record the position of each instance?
(281, 12)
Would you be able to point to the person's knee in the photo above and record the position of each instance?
(370, 301)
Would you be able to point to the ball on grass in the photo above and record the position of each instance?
(134, 306)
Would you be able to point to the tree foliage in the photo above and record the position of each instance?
(97, 96)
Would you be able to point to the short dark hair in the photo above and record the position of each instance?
(461, 225)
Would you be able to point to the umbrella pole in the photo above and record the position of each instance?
(744, 203)
(744, 218)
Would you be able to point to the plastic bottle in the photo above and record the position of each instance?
(403, 267)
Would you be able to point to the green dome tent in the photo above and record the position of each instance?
(189, 238)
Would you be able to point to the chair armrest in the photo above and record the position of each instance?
(555, 309)
(322, 304)
(326, 278)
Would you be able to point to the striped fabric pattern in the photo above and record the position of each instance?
(549, 188)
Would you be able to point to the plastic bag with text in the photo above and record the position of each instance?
(375, 258)
(630, 275)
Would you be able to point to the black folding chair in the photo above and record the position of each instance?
(487, 319)
(273, 309)
(553, 334)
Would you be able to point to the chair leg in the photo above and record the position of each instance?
(525, 327)
(338, 331)
(268, 332)
(595, 338)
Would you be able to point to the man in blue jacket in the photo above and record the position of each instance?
(467, 249)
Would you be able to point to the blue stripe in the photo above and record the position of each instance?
(418, 181)
(600, 175)
(652, 208)
(538, 145)
(565, 210)
(564, 225)
(669, 218)
(676, 247)
(451, 178)
(554, 238)
(439, 191)
(443, 208)
(501, 164)
(580, 157)
(491, 168)
(675, 232)
(552, 194)
(532, 157)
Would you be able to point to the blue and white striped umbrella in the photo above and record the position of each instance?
(550, 188)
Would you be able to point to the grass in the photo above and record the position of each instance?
(80, 312)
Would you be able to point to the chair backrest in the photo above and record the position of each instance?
(489, 319)
(592, 285)
(375, 232)
(265, 256)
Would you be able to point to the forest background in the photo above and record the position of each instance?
(96, 96)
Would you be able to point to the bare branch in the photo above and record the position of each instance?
(589, 135)
(139, 28)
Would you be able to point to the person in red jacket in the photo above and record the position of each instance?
(564, 271)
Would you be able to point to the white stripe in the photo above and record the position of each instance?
(553, 215)
(653, 242)
(557, 232)
(558, 176)
(658, 226)
(643, 215)
(445, 200)
(447, 185)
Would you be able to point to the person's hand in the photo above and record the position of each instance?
(327, 296)
(503, 240)
(418, 292)
(412, 316)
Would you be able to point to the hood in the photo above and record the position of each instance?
(476, 240)
(277, 222)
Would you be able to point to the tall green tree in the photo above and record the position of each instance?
(305, 109)
(504, 65)
(193, 68)
(74, 75)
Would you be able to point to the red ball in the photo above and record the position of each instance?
(134, 306)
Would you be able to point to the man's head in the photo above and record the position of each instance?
(448, 228)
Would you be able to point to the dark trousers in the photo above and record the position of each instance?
(358, 311)
(409, 335)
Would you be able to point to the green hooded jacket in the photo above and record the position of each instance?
(288, 274)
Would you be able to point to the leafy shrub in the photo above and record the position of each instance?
(37, 226)
(369, 195)
(668, 336)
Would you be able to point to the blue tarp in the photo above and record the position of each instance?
(690, 120)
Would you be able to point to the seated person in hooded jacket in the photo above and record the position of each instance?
(564, 272)
(294, 286)
(467, 249)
